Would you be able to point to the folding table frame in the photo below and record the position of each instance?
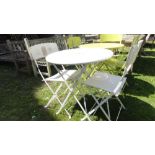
(72, 90)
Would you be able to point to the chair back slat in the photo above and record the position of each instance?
(60, 41)
(17, 48)
(133, 53)
(147, 37)
(42, 50)
(39, 51)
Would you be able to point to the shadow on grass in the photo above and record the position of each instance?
(17, 100)
(149, 53)
(139, 87)
(136, 110)
(98, 115)
(145, 66)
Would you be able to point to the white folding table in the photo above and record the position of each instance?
(79, 56)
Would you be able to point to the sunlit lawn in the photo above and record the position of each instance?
(23, 97)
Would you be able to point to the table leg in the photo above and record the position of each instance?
(70, 89)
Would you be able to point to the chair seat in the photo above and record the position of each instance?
(108, 82)
(67, 74)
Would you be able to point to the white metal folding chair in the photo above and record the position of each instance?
(112, 84)
(39, 51)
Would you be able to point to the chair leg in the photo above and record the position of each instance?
(121, 106)
(108, 110)
(64, 103)
(53, 93)
(53, 97)
(120, 102)
(86, 114)
(35, 72)
(100, 106)
(119, 112)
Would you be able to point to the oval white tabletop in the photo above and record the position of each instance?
(79, 56)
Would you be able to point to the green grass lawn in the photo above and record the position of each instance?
(23, 97)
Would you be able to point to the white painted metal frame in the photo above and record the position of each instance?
(112, 84)
(54, 93)
(42, 50)
(108, 83)
(131, 58)
(72, 90)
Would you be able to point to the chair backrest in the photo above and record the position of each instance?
(73, 42)
(111, 38)
(40, 50)
(147, 37)
(137, 38)
(132, 55)
(17, 49)
(60, 41)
